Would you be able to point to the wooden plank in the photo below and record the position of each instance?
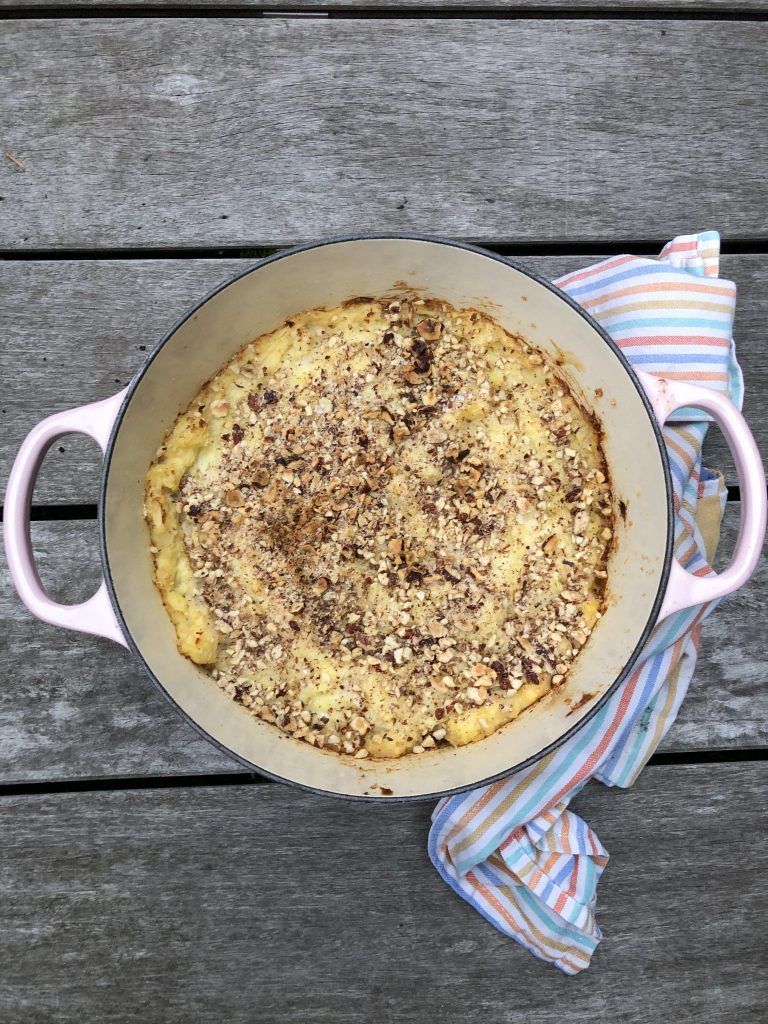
(179, 132)
(73, 332)
(75, 707)
(526, 8)
(259, 902)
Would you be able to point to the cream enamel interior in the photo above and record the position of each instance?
(325, 276)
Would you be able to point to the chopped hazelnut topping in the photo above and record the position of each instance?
(430, 330)
(550, 544)
(234, 499)
(410, 522)
(219, 407)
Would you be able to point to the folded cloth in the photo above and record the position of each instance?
(514, 849)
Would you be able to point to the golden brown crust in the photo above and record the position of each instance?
(383, 527)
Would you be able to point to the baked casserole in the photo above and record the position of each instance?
(383, 527)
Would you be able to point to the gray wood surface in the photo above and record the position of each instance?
(258, 903)
(74, 707)
(529, 8)
(260, 131)
(72, 332)
(241, 902)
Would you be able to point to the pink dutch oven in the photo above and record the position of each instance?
(646, 583)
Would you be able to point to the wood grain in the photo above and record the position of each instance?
(527, 8)
(179, 132)
(260, 903)
(75, 707)
(75, 331)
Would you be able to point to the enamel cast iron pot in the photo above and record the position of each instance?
(645, 581)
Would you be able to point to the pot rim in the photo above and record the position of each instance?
(514, 265)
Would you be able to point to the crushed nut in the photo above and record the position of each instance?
(234, 499)
(430, 330)
(353, 534)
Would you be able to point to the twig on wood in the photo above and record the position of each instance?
(14, 160)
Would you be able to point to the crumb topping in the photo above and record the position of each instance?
(383, 528)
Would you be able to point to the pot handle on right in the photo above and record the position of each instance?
(684, 589)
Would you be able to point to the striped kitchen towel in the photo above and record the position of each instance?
(514, 849)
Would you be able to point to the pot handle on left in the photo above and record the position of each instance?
(684, 589)
(96, 615)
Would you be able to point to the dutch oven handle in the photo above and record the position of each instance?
(95, 615)
(684, 589)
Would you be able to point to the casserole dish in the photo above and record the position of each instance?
(645, 581)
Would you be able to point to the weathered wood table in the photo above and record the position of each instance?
(152, 149)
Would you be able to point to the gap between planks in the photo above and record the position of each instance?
(512, 250)
(228, 779)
